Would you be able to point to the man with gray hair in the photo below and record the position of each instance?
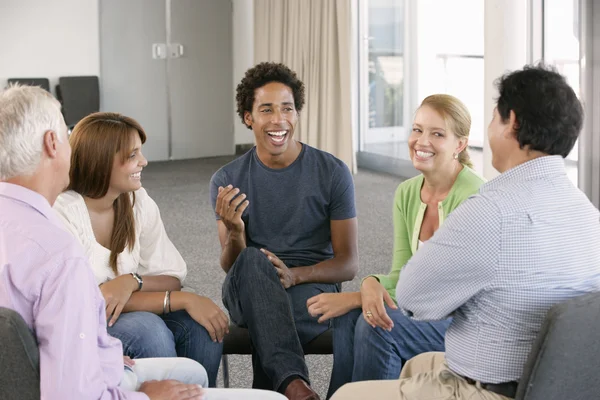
(45, 276)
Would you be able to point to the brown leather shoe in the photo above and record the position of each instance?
(298, 389)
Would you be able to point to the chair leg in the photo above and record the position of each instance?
(225, 365)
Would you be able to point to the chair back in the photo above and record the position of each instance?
(44, 83)
(564, 362)
(19, 358)
(79, 95)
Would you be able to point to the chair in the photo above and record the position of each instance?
(19, 358)
(44, 83)
(565, 359)
(238, 342)
(79, 95)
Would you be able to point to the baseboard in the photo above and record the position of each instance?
(386, 164)
(243, 148)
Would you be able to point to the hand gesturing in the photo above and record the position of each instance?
(230, 207)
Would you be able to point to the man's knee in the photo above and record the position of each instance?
(189, 371)
(423, 363)
(251, 256)
(251, 260)
(181, 369)
(358, 390)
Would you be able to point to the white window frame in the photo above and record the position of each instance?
(410, 100)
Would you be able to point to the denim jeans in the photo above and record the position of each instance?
(277, 318)
(362, 353)
(147, 335)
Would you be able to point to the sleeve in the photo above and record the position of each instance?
(459, 261)
(158, 255)
(67, 319)
(402, 249)
(218, 179)
(342, 204)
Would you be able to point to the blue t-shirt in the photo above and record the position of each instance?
(291, 208)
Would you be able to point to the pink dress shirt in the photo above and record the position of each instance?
(46, 278)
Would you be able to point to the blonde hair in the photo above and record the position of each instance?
(457, 117)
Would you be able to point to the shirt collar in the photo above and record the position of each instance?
(31, 198)
(537, 168)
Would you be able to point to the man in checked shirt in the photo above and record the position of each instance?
(530, 239)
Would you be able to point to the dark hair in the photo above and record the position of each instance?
(95, 141)
(548, 114)
(261, 74)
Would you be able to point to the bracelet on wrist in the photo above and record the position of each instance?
(166, 301)
(139, 280)
(169, 300)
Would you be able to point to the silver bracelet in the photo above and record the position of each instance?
(169, 300)
(165, 302)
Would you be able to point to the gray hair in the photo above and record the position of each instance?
(26, 114)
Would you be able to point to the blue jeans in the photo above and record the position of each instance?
(278, 319)
(147, 335)
(362, 353)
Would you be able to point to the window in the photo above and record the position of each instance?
(409, 49)
(450, 42)
(382, 69)
(561, 49)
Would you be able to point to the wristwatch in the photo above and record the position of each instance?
(139, 280)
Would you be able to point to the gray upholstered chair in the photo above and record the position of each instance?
(564, 362)
(19, 359)
(79, 96)
(238, 342)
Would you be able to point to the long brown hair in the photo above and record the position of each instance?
(456, 115)
(95, 141)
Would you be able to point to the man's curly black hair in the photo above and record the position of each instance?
(260, 75)
(549, 115)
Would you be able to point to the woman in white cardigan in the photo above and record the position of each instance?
(138, 269)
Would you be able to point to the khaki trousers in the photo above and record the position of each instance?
(424, 377)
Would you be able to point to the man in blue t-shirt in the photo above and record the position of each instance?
(287, 225)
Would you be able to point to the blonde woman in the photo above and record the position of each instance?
(377, 345)
(138, 269)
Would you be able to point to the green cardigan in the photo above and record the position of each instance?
(408, 213)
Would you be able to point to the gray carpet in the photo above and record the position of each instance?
(181, 190)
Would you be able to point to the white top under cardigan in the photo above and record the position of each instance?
(153, 253)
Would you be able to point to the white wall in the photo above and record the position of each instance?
(243, 58)
(506, 24)
(48, 39)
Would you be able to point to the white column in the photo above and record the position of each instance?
(243, 58)
(505, 49)
(589, 139)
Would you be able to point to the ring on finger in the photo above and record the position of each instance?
(369, 314)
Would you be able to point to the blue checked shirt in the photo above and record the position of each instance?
(528, 240)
